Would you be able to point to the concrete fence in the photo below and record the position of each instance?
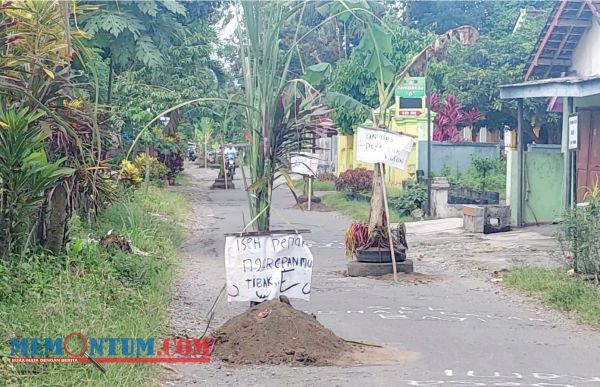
(455, 155)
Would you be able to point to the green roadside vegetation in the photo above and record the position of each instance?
(98, 292)
(483, 174)
(356, 209)
(317, 185)
(561, 291)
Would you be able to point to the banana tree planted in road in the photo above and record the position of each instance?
(377, 43)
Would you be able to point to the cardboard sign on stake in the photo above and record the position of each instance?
(382, 147)
(263, 267)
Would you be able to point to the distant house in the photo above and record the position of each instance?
(564, 65)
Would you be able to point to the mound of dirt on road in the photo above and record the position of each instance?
(275, 333)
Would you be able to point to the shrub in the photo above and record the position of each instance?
(484, 174)
(158, 171)
(578, 236)
(355, 180)
(484, 170)
(327, 176)
(411, 197)
(130, 173)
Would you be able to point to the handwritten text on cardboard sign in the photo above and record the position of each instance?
(264, 267)
(377, 146)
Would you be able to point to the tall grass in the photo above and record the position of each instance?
(563, 292)
(96, 292)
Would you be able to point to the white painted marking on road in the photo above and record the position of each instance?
(448, 372)
(394, 317)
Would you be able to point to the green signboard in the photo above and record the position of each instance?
(411, 87)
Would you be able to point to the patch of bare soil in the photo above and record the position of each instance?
(415, 278)
(376, 355)
(318, 207)
(276, 333)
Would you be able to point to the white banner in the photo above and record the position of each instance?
(377, 146)
(264, 267)
(305, 163)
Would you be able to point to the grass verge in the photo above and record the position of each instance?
(357, 210)
(100, 293)
(317, 185)
(558, 289)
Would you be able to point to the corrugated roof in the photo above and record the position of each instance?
(566, 24)
(551, 87)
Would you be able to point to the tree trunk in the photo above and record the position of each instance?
(56, 220)
(377, 212)
(110, 81)
(171, 127)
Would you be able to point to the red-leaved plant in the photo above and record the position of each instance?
(355, 180)
(450, 114)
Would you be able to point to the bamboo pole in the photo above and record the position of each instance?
(205, 150)
(223, 158)
(389, 226)
(309, 191)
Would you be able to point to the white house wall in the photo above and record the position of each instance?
(586, 58)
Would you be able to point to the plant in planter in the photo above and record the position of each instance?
(377, 44)
(365, 246)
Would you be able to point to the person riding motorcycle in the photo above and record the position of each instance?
(230, 156)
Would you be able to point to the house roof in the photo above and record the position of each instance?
(566, 24)
(559, 87)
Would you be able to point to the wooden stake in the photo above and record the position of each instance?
(389, 226)
(205, 150)
(309, 191)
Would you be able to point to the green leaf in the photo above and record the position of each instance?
(147, 7)
(336, 7)
(316, 73)
(380, 65)
(174, 7)
(290, 183)
(376, 40)
(147, 52)
(114, 23)
(344, 101)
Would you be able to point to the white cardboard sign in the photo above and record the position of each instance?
(377, 146)
(304, 163)
(261, 268)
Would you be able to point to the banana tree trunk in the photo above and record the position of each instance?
(377, 212)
